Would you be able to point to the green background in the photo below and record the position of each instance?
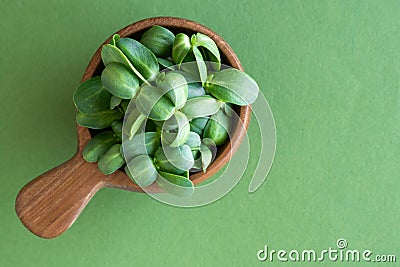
(330, 71)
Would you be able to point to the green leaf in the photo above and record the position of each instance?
(174, 86)
(115, 101)
(189, 58)
(98, 146)
(227, 108)
(180, 48)
(141, 144)
(176, 130)
(152, 103)
(114, 39)
(200, 107)
(185, 174)
(196, 155)
(165, 63)
(175, 160)
(190, 72)
(133, 123)
(112, 54)
(124, 104)
(111, 161)
(91, 97)
(194, 90)
(233, 86)
(197, 125)
(206, 42)
(100, 120)
(211, 144)
(116, 126)
(159, 40)
(140, 56)
(175, 184)
(206, 157)
(218, 127)
(193, 140)
(189, 77)
(137, 125)
(194, 66)
(141, 170)
(202, 68)
(120, 81)
(197, 166)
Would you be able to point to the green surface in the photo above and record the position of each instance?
(330, 71)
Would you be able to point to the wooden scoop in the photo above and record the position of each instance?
(49, 204)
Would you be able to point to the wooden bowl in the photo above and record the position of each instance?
(49, 204)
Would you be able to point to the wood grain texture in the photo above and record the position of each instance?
(49, 204)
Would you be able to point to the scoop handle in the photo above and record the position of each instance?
(50, 204)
